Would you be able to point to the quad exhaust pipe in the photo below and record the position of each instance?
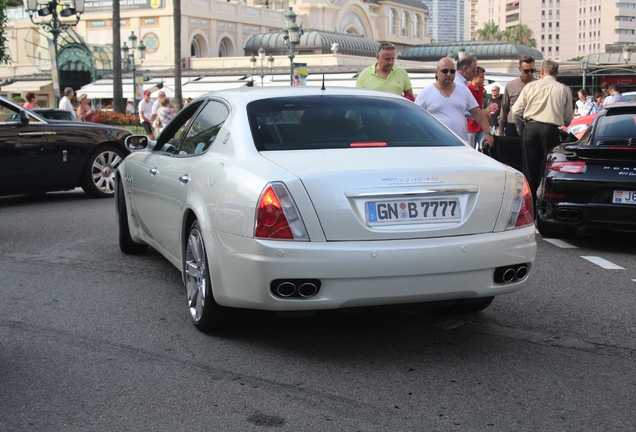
(295, 288)
(514, 273)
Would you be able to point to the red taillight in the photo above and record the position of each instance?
(526, 213)
(567, 167)
(271, 221)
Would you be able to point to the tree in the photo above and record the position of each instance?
(522, 34)
(177, 53)
(118, 93)
(4, 51)
(490, 31)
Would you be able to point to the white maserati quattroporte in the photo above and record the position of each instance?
(306, 199)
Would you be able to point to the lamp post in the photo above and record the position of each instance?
(54, 25)
(584, 72)
(627, 54)
(292, 38)
(129, 64)
(261, 57)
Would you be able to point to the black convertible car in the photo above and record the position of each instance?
(590, 182)
(39, 155)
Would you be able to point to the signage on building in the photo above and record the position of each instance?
(621, 81)
(107, 5)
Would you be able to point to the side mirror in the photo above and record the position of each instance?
(137, 142)
(24, 117)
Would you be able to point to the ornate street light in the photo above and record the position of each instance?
(627, 54)
(54, 25)
(292, 38)
(261, 57)
(130, 65)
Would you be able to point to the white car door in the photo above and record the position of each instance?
(177, 175)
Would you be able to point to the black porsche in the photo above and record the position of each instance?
(592, 182)
(39, 155)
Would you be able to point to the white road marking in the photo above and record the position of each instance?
(633, 280)
(603, 263)
(560, 243)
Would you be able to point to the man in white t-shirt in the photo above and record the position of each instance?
(155, 107)
(145, 114)
(448, 102)
(65, 102)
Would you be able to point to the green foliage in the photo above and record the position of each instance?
(18, 99)
(519, 34)
(4, 54)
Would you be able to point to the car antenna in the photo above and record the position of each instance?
(323, 82)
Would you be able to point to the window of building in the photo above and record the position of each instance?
(392, 22)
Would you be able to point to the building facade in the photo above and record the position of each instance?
(565, 29)
(447, 20)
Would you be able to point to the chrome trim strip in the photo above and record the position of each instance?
(410, 192)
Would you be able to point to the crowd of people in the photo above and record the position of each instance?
(530, 108)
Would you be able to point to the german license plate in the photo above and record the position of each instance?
(379, 212)
(624, 197)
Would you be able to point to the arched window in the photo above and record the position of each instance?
(417, 27)
(195, 49)
(392, 22)
(405, 24)
(223, 51)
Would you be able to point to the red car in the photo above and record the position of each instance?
(579, 125)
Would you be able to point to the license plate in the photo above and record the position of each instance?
(624, 197)
(379, 212)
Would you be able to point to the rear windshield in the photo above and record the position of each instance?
(315, 122)
(619, 125)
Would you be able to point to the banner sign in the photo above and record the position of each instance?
(107, 5)
(54, 77)
(300, 74)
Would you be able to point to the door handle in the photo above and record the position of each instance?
(154, 171)
(184, 178)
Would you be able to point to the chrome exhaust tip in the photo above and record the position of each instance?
(307, 290)
(286, 289)
(508, 275)
(521, 273)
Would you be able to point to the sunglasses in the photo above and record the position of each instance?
(529, 70)
(447, 71)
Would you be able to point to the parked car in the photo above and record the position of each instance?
(592, 182)
(55, 114)
(579, 125)
(39, 155)
(302, 199)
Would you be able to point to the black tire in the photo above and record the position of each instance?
(126, 244)
(206, 314)
(467, 306)
(98, 175)
(557, 231)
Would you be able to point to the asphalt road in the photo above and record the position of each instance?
(93, 340)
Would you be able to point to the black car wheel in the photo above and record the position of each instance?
(98, 177)
(126, 244)
(558, 231)
(206, 314)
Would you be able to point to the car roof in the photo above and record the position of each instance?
(249, 94)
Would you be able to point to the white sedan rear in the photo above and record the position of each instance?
(304, 199)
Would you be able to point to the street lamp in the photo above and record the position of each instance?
(261, 57)
(292, 38)
(129, 64)
(54, 25)
(627, 54)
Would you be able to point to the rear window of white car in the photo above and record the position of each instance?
(320, 122)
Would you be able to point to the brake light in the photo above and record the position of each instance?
(277, 216)
(567, 167)
(522, 210)
(368, 144)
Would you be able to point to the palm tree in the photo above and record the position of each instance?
(177, 53)
(522, 34)
(118, 93)
(489, 31)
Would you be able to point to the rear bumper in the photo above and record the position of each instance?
(607, 216)
(369, 273)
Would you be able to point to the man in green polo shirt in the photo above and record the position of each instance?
(385, 76)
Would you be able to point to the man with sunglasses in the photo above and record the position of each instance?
(448, 102)
(541, 109)
(385, 76)
(511, 93)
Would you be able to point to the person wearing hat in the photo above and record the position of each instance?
(84, 111)
(65, 102)
(145, 114)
